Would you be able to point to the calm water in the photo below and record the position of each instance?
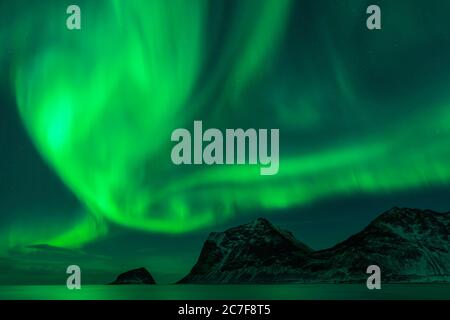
(208, 292)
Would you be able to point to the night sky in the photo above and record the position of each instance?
(86, 117)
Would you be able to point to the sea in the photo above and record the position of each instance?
(229, 292)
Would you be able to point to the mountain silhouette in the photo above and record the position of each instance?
(409, 245)
(135, 276)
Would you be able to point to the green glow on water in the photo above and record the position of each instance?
(228, 292)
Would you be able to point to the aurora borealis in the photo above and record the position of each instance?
(362, 115)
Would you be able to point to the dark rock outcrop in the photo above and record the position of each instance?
(409, 245)
(135, 276)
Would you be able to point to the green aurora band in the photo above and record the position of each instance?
(100, 105)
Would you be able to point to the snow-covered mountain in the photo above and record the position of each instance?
(409, 245)
(250, 252)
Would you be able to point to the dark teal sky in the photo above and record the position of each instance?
(85, 122)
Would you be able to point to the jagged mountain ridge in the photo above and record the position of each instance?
(250, 244)
(409, 245)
